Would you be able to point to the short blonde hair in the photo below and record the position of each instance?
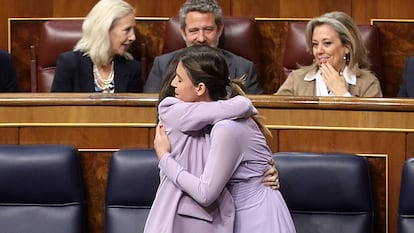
(95, 41)
(349, 35)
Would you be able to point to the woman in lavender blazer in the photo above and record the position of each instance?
(233, 172)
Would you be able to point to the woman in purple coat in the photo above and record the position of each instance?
(237, 156)
(173, 210)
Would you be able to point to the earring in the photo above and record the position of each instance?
(347, 57)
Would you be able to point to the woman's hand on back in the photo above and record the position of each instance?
(271, 176)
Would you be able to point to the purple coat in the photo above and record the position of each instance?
(188, 129)
(237, 159)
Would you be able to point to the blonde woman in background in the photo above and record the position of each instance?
(100, 61)
(340, 66)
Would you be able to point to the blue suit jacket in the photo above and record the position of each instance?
(8, 80)
(237, 67)
(407, 85)
(74, 73)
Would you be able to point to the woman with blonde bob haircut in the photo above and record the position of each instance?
(340, 66)
(349, 35)
(100, 61)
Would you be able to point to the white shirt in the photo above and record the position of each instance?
(322, 89)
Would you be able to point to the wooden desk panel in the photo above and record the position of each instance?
(88, 138)
(9, 135)
(99, 124)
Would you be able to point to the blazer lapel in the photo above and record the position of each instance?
(86, 73)
(121, 76)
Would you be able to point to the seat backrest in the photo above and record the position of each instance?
(41, 189)
(59, 36)
(240, 36)
(327, 192)
(132, 183)
(295, 49)
(56, 37)
(406, 201)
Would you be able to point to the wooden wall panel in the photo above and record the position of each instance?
(95, 167)
(312, 8)
(362, 11)
(151, 32)
(68, 8)
(273, 141)
(163, 8)
(9, 135)
(21, 40)
(396, 38)
(26, 8)
(273, 35)
(410, 146)
(168, 8)
(397, 9)
(226, 6)
(256, 8)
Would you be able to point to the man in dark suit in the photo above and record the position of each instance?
(407, 85)
(8, 81)
(201, 23)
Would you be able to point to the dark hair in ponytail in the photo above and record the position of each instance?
(207, 65)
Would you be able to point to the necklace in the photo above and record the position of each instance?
(104, 84)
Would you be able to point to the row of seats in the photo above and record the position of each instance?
(58, 36)
(43, 191)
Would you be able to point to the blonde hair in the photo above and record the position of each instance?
(95, 41)
(349, 35)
